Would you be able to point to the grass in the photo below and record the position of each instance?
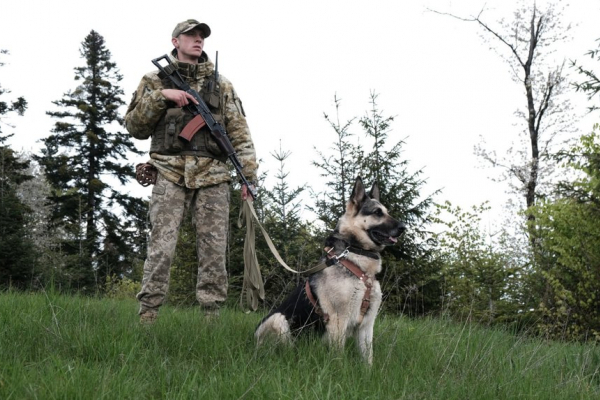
(61, 347)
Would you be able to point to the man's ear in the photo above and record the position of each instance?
(175, 42)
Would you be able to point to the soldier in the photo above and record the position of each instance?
(191, 175)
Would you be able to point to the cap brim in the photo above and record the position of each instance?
(203, 27)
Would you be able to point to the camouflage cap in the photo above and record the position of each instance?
(190, 24)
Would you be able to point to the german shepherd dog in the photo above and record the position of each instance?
(344, 297)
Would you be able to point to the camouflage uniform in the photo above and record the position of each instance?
(188, 181)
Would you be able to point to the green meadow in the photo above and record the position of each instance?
(54, 346)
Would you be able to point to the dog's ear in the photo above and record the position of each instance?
(359, 195)
(374, 193)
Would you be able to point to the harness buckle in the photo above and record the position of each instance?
(343, 254)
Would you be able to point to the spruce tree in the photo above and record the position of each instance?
(17, 106)
(17, 253)
(83, 162)
(410, 279)
(16, 250)
(294, 238)
(339, 170)
(283, 211)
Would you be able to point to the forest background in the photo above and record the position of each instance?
(69, 217)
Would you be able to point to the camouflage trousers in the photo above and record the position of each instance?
(210, 212)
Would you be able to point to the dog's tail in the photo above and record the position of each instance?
(275, 326)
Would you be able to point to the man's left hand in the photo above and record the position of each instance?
(246, 192)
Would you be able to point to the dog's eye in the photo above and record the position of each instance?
(379, 212)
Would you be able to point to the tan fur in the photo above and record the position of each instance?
(339, 292)
(340, 296)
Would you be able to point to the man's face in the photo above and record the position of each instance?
(189, 45)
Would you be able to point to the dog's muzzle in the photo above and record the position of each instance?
(388, 237)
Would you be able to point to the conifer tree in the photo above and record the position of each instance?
(17, 106)
(295, 239)
(591, 79)
(339, 170)
(16, 250)
(83, 162)
(285, 207)
(410, 279)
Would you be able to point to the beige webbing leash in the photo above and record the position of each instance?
(253, 285)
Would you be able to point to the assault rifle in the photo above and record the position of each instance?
(203, 117)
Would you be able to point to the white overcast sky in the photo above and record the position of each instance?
(287, 60)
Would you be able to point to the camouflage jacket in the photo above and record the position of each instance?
(148, 106)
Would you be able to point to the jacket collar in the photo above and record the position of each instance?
(193, 71)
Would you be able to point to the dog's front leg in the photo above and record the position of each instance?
(336, 331)
(364, 340)
(364, 333)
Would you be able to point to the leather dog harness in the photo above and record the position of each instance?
(350, 266)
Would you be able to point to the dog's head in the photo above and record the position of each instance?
(367, 222)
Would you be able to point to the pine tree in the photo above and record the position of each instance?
(591, 79)
(285, 206)
(82, 160)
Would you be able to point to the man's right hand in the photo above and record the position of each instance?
(179, 97)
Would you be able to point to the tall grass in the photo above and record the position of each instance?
(59, 347)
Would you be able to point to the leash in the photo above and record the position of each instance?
(252, 284)
(309, 271)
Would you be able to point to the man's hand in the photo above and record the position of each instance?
(246, 192)
(178, 97)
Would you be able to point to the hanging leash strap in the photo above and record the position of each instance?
(309, 271)
(252, 284)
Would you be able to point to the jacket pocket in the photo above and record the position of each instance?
(159, 189)
(173, 126)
